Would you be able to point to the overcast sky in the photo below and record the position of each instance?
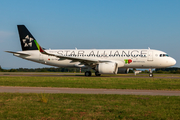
(115, 24)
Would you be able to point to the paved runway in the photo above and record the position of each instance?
(86, 91)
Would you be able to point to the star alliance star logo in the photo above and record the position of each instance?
(28, 41)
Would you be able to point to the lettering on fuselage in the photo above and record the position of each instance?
(60, 52)
(81, 52)
(91, 53)
(98, 53)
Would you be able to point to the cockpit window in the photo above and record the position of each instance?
(164, 55)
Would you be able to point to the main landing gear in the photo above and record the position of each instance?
(97, 73)
(88, 73)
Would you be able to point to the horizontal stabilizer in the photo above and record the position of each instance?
(17, 53)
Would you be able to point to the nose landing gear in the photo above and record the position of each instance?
(150, 73)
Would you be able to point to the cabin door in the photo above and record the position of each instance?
(150, 55)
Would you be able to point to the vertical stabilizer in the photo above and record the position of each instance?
(26, 38)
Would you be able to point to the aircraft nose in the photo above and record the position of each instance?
(173, 61)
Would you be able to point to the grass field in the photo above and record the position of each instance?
(77, 106)
(81, 106)
(93, 82)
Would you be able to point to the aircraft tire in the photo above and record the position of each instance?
(88, 73)
(150, 74)
(97, 73)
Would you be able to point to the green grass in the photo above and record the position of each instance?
(80, 106)
(93, 82)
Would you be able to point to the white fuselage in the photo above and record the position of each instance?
(132, 58)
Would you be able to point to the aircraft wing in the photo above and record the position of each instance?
(76, 59)
(85, 61)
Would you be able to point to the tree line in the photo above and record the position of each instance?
(171, 70)
(51, 69)
(174, 70)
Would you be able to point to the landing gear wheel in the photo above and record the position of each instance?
(88, 73)
(97, 73)
(150, 74)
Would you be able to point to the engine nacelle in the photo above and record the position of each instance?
(107, 68)
(123, 70)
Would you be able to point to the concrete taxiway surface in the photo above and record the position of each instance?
(10, 89)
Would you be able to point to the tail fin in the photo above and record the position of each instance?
(26, 38)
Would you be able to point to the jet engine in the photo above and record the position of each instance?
(107, 68)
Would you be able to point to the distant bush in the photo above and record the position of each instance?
(12, 70)
(53, 69)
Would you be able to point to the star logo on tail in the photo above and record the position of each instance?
(28, 41)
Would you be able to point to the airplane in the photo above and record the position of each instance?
(102, 61)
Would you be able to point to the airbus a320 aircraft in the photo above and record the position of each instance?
(102, 61)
